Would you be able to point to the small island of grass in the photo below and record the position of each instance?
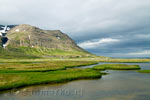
(144, 71)
(116, 67)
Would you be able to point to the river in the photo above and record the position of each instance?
(117, 85)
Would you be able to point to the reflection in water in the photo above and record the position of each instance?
(118, 85)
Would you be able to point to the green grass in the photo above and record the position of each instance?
(41, 66)
(25, 73)
(144, 71)
(122, 60)
(116, 67)
(17, 80)
(15, 53)
(40, 52)
(114, 60)
(15, 73)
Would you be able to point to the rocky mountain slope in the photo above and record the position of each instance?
(30, 40)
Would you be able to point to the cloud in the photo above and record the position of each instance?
(97, 42)
(87, 21)
(145, 36)
(76, 16)
(145, 52)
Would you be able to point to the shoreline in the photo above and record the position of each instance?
(63, 71)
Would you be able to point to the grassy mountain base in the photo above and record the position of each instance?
(29, 52)
(11, 53)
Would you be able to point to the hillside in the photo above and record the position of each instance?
(32, 41)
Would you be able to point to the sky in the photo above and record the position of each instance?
(113, 28)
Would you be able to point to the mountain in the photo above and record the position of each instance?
(26, 41)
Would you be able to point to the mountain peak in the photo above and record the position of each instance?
(23, 27)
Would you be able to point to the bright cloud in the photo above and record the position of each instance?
(145, 52)
(97, 42)
(143, 35)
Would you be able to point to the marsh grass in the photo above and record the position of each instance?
(116, 67)
(144, 71)
(20, 74)
(42, 66)
(116, 60)
(16, 73)
(17, 80)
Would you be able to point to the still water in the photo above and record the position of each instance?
(118, 85)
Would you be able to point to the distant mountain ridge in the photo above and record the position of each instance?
(31, 40)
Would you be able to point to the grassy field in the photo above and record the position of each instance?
(116, 67)
(123, 60)
(144, 71)
(113, 60)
